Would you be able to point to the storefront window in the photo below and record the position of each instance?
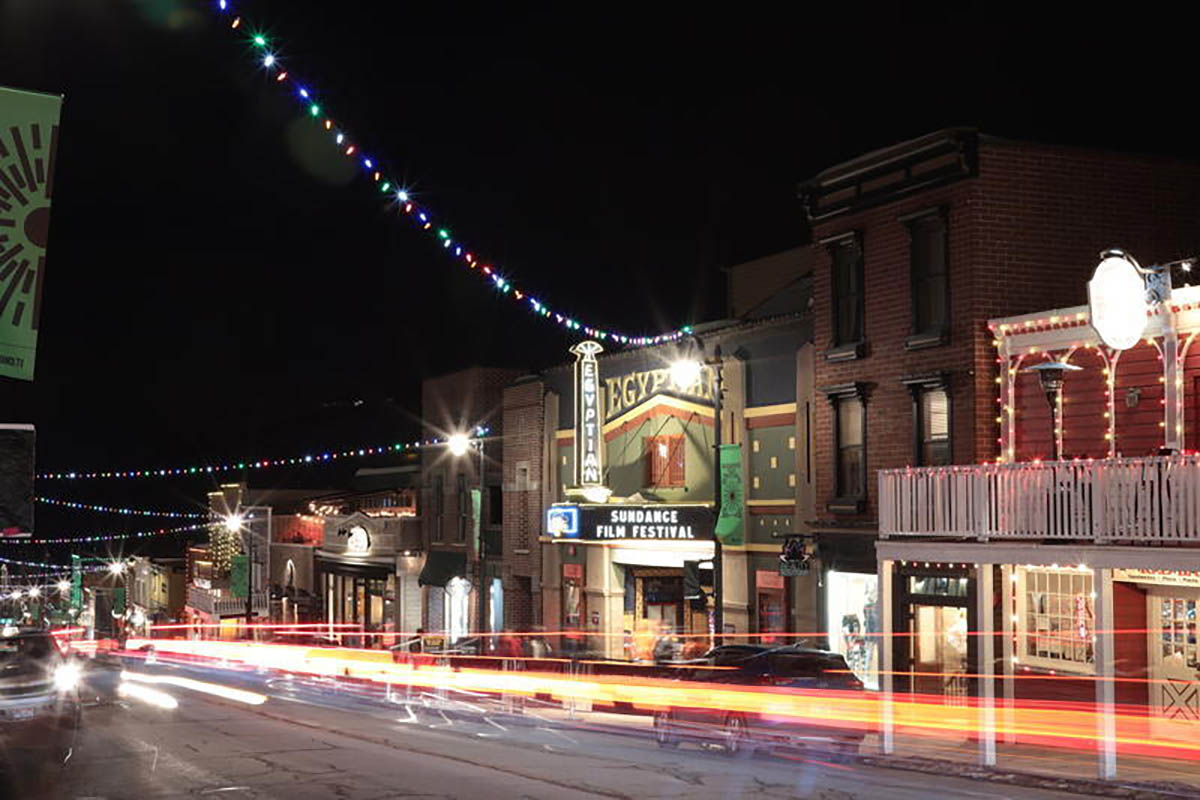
(458, 592)
(852, 607)
(1178, 616)
(1056, 621)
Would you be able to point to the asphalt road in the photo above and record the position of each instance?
(315, 740)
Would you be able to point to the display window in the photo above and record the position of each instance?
(852, 622)
(1055, 618)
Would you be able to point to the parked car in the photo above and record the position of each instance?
(748, 665)
(39, 696)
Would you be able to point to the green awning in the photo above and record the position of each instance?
(441, 566)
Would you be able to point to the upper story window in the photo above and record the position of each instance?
(850, 437)
(933, 422)
(665, 461)
(847, 290)
(928, 237)
(464, 508)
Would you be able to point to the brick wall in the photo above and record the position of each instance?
(524, 412)
(1024, 236)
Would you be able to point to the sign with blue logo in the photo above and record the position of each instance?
(562, 522)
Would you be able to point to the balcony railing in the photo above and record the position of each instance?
(209, 602)
(1124, 499)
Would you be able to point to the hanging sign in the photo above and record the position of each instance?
(731, 525)
(28, 140)
(589, 439)
(1161, 577)
(1117, 301)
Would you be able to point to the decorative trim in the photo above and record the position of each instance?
(763, 411)
(922, 341)
(847, 352)
(927, 380)
(665, 406)
(840, 391)
(846, 505)
(941, 210)
(773, 421)
(783, 501)
(838, 238)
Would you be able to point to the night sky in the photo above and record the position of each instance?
(222, 284)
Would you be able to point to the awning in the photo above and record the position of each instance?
(441, 566)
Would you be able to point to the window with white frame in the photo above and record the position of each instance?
(1055, 619)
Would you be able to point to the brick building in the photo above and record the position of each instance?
(458, 567)
(918, 245)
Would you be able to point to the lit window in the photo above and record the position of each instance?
(665, 461)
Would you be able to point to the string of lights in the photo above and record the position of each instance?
(108, 537)
(267, 55)
(139, 512)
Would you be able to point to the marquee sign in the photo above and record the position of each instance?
(1117, 301)
(620, 522)
(627, 391)
(589, 438)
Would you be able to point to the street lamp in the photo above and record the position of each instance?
(684, 373)
(459, 444)
(63, 586)
(1050, 375)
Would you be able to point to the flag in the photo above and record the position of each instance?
(28, 141)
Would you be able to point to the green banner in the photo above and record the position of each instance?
(476, 512)
(239, 577)
(731, 524)
(118, 607)
(28, 140)
(76, 582)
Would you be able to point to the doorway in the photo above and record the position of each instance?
(938, 656)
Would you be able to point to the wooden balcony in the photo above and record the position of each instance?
(1120, 500)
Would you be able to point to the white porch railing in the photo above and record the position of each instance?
(209, 602)
(1124, 499)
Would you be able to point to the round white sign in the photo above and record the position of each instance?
(1117, 302)
(359, 540)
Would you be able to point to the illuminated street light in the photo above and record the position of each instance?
(116, 567)
(35, 592)
(64, 586)
(685, 373)
(233, 523)
(459, 443)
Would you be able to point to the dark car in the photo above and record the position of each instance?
(747, 665)
(39, 696)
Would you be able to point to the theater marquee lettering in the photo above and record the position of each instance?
(625, 522)
(627, 391)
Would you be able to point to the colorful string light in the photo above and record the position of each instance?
(139, 512)
(108, 537)
(268, 59)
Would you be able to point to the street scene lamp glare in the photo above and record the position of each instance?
(116, 567)
(64, 586)
(459, 443)
(685, 373)
(35, 592)
(233, 523)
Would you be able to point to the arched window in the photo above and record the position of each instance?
(289, 574)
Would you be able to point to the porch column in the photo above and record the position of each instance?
(986, 653)
(1106, 724)
(1008, 576)
(887, 731)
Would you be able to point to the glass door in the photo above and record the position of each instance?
(938, 652)
(1174, 662)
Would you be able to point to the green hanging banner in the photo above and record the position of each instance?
(76, 582)
(239, 577)
(731, 524)
(28, 140)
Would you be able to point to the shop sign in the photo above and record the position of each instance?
(589, 439)
(793, 569)
(357, 539)
(629, 390)
(1117, 301)
(766, 579)
(1161, 577)
(574, 571)
(658, 522)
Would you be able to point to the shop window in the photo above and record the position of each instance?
(930, 307)
(665, 461)
(1055, 620)
(1177, 617)
(851, 456)
(852, 619)
(937, 586)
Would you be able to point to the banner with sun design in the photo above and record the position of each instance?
(28, 140)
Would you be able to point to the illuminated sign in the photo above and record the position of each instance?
(562, 522)
(1161, 577)
(1117, 301)
(358, 540)
(619, 522)
(629, 390)
(589, 439)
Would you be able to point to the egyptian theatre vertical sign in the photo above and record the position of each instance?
(589, 434)
(28, 140)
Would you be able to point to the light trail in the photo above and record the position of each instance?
(147, 695)
(214, 689)
(1070, 725)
